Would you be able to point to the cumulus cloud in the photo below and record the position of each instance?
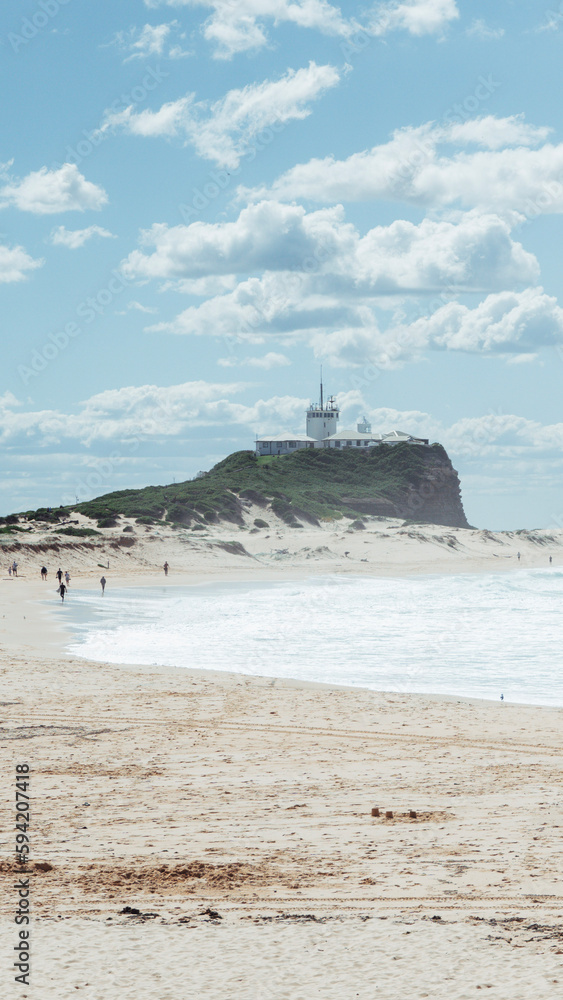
(506, 174)
(503, 322)
(327, 255)
(222, 131)
(291, 276)
(46, 192)
(171, 119)
(266, 236)
(150, 40)
(75, 238)
(16, 264)
(418, 17)
(351, 334)
(241, 26)
(492, 133)
(503, 436)
(475, 253)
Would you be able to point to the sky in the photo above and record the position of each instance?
(202, 201)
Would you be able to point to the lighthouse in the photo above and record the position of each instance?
(322, 432)
(322, 419)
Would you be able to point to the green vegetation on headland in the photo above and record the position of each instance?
(409, 481)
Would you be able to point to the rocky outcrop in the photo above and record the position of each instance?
(437, 499)
(433, 496)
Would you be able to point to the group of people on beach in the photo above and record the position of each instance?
(63, 585)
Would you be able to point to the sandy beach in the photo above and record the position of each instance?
(203, 834)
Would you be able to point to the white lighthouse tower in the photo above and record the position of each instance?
(322, 419)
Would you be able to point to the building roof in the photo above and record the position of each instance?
(286, 436)
(401, 436)
(352, 435)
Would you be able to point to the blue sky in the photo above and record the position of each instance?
(201, 201)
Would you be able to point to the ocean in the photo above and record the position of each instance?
(472, 635)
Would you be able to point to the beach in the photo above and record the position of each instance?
(201, 833)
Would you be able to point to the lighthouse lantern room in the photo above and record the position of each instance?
(322, 419)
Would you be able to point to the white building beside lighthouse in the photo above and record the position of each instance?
(322, 432)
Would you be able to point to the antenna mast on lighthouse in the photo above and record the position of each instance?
(322, 422)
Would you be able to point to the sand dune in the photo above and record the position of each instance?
(374, 546)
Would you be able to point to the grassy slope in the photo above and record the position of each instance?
(313, 482)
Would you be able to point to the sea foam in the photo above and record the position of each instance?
(478, 635)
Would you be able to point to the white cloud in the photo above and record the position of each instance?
(75, 238)
(312, 278)
(235, 27)
(412, 168)
(522, 359)
(328, 256)
(15, 264)
(477, 252)
(418, 17)
(223, 131)
(138, 307)
(240, 26)
(505, 322)
(151, 40)
(503, 436)
(46, 192)
(177, 52)
(350, 334)
(480, 29)
(267, 361)
(266, 236)
(149, 412)
(493, 133)
(135, 307)
(171, 119)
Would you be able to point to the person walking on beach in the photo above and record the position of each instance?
(60, 575)
(62, 592)
(518, 554)
(43, 572)
(103, 582)
(166, 567)
(9, 570)
(15, 568)
(67, 578)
